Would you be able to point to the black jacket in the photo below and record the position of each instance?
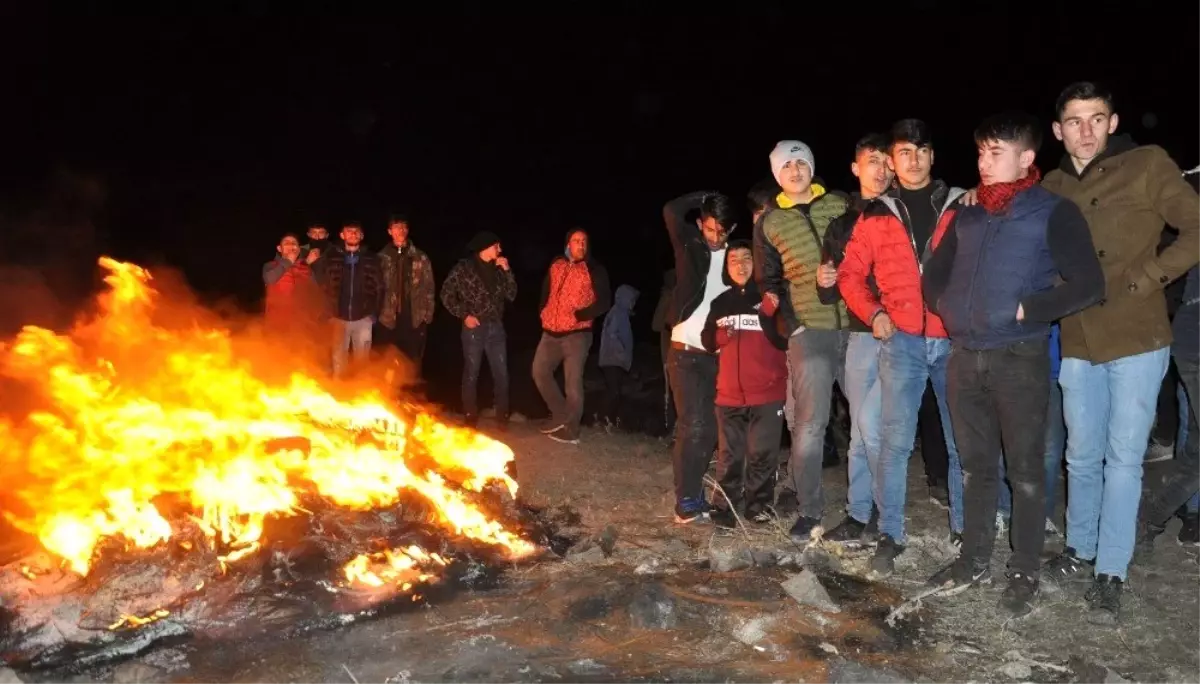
(692, 257)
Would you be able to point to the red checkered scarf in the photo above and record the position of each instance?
(996, 198)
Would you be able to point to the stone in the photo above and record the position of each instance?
(754, 630)
(1015, 669)
(592, 554)
(1087, 671)
(676, 547)
(843, 671)
(7, 676)
(724, 559)
(135, 672)
(651, 607)
(806, 589)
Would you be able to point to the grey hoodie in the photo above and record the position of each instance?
(616, 340)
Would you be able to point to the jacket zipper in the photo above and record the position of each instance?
(837, 313)
(912, 240)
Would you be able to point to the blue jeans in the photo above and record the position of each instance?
(486, 338)
(816, 359)
(1056, 442)
(906, 363)
(862, 372)
(347, 336)
(1109, 409)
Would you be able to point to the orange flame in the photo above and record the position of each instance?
(131, 410)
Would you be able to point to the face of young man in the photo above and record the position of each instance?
(352, 237)
(577, 246)
(1085, 128)
(289, 248)
(1003, 162)
(399, 233)
(795, 178)
(714, 233)
(911, 164)
(873, 173)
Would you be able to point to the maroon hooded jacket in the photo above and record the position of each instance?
(752, 365)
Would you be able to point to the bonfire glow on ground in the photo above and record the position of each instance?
(129, 412)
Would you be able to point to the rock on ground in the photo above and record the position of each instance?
(7, 676)
(805, 587)
(652, 608)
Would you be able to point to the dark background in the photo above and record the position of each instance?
(197, 140)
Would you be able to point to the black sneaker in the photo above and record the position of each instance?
(563, 435)
(848, 532)
(787, 503)
(759, 516)
(1019, 594)
(1189, 532)
(723, 518)
(1104, 600)
(956, 540)
(1157, 452)
(801, 532)
(870, 535)
(1143, 545)
(1065, 566)
(960, 575)
(883, 563)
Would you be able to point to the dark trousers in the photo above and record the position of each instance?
(405, 337)
(668, 399)
(933, 441)
(748, 439)
(1166, 416)
(998, 401)
(694, 383)
(614, 377)
(1173, 483)
(486, 338)
(571, 352)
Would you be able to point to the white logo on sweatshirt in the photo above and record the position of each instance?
(740, 322)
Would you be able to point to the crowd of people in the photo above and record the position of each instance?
(1032, 305)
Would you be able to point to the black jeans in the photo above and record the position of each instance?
(933, 441)
(486, 338)
(1175, 481)
(748, 437)
(571, 352)
(614, 377)
(998, 400)
(408, 339)
(694, 383)
(1166, 416)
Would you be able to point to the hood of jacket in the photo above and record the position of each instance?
(625, 297)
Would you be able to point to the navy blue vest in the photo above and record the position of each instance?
(1000, 260)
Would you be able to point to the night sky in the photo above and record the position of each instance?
(198, 141)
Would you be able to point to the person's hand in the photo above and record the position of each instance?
(770, 303)
(1020, 312)
(502, 262)
(882, 327)
(471, 322)
(969, 198)
(313, 255)
(826, 275)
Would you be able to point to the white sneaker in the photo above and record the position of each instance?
(1051, 529)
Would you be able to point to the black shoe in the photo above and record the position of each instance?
(689, 511)
(939, 494)
(870, 535)
(786, 504)
(723, 518)
(564, 435)
(956, 540)
(883, 563)
(801, 532)
(1019, 594)
(1065, 566)
(758, 515)
(1189, 533)
(1104, 600)
(848, 532)
(961, 575)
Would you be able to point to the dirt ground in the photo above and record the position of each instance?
(640, 599)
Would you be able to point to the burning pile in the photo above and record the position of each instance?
(136, 437)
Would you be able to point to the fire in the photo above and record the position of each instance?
(130, 410)
(403, 567)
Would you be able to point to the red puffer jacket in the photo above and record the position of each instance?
(881, 245)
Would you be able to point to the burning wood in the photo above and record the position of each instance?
(171, 488)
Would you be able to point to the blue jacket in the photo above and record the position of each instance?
(616, 339)
(986, 266)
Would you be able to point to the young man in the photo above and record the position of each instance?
(890, 241)
(574, 293)
(408, 293)
(1115, 353)
(291, 286)
(699, 266)
(751, 384)
(476, 292)
(787, 253)
(353, 283)
(992, 280)
(870, 167)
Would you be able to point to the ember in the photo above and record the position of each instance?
(141, 439)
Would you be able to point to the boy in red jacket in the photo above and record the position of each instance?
(751, 388)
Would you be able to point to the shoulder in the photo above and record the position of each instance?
(835, 199)
(882, 207)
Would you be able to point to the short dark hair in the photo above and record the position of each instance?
(719, 208)
(289, 235)
(1083, 90)
(397, 217)
(739, 244)
(352, 224)
(1010, 127)
(761, 194)
(912, 131)
(872, 142)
